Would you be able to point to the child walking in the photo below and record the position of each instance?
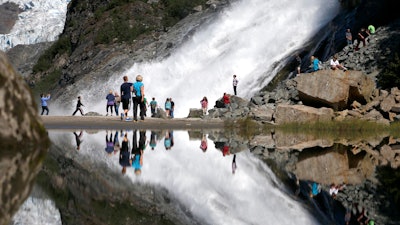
(78, 106)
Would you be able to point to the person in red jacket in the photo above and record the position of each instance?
(226, 100)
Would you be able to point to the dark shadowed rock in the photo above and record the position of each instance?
(23, 141)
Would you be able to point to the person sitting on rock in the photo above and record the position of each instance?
(334, 63)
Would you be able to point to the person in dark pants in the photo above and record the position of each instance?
(43, 101)
(125, 89)
(138, 100)
(78, 107)
(235, 83)
(124, 154)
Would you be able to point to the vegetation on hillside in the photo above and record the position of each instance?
(117, 21)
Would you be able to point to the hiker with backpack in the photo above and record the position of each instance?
(138, 99)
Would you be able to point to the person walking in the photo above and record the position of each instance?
(117, 103)
(43, 101)
(361, 37)
(138, 100)
(125, 92)
(153, 107)
(235, 83)
(110, 102)
(349, 38)
(78, 106)
(204, 105)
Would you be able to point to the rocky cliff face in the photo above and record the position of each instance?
(23, 141)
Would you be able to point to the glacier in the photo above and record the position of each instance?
(40, 21)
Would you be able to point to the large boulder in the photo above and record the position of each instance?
(334, 88)
(301, 114)
(23, 141)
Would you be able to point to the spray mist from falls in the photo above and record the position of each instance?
(246, 39)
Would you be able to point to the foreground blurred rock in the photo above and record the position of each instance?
(23, 141)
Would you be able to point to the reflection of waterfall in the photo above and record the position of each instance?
(201, 181)
(37, 209)
(246, 39)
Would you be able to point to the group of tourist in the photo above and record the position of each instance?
(361, 37)
(134, 93)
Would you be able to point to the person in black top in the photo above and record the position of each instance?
(126, 89)
(124, 154)
(78, 106)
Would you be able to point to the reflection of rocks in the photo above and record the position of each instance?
(322, 159)
(23, 141)
(328, 160)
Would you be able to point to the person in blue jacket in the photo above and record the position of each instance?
(43, 101)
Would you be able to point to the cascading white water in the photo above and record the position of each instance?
(246, 39)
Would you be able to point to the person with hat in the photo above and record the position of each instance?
(138, 99)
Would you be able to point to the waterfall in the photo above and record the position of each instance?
(249, 38)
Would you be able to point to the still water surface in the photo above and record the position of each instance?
(212, 184)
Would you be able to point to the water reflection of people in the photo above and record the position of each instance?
(234, 167)
(153, 142)
(109, 143)
(117, 145)
(203, 143)
(225, 150)
(168, 140)
(78, 139)
(137, 151)
(124, 154)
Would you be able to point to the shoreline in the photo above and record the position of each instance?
(114, 122)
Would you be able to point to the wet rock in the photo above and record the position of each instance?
(23, 140)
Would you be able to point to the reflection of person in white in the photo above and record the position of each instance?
(336, 65)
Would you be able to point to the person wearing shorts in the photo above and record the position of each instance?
(126, 89)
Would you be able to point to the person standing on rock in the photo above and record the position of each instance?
(138, 100)
(361, 37)
(43, 100)
(125, 92)
(298, 67)
(78, 106)
(349, 38)
(235, 83)
(204, 105)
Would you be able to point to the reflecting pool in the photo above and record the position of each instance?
(207, 184)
